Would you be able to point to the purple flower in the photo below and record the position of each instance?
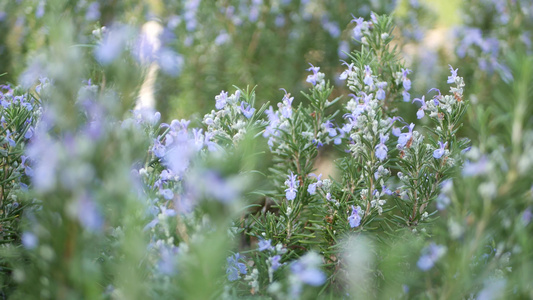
(286, 105)
(27, 169)
(332, 131)
(368, 80)
(313, 78)
(420, 113)
(166, 193)
(355, 218)
(430, 255)
(292, 185)
(221, 100)
(361, 25)
(248, 112)
(406, 81)
(406, 96)
(380, 94)
(265, 245)
(451, 79)
(440, 152)
(235, 268)
(345, 73)
(275, 262)
(406, 136)
(381, 149)
(311, 189)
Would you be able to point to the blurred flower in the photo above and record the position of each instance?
(492, 289)
(29, 240)
(167, 261)
(93, 11)
(170, 61)
(89, 214)
(476, 168)
(306, 270)
(344, 48)
(112, 45)
(166, 193)
(222, 38)
(430, 255)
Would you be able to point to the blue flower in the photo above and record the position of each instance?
(248, 112)
(451, 79)
(381, 149)
(355, 218)
(440, 152)
(235, 268)
(292, 185)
